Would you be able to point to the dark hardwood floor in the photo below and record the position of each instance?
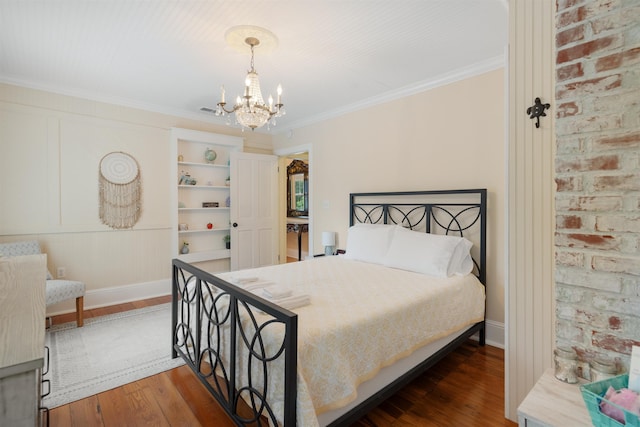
(464, 389)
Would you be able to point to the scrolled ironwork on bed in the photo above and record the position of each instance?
(218, 328)
(432, 214)
(216, 332)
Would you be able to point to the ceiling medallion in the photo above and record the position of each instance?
(250, 110)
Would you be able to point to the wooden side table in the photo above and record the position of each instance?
(553, 403)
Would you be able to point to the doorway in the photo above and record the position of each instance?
(296, 201)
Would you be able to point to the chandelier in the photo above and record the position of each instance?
(250, 109)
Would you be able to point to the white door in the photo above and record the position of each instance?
(254, 210)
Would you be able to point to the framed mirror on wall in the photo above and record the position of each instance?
(297, 189)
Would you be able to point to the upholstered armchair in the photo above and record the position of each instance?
(56, 290)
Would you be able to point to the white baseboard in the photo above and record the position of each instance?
(293, 253)
(117, 295)
(495, 334)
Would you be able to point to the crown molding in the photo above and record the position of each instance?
(442, 80)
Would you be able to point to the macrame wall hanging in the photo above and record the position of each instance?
(120, 190)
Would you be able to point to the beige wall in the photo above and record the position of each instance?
(447, 138)
(51, 146)
(407, 144)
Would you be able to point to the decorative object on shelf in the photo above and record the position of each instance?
(209, 226)
(185, 248)
(601, 369)
(180, 158)
(251, 110)
(227, 241)
(228, 202)
(120, 190)
(181, 205)
(329, 242)
(183, 227)
(186, 179)
(210, 204)
(227, 181)
(210, 155)
(566, 364)
(537, 110)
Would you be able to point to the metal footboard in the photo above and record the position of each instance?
(220, 330)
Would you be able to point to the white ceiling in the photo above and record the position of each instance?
(171, 56)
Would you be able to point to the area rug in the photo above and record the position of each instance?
(107, 352)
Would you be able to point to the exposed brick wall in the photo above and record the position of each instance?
(597, 169)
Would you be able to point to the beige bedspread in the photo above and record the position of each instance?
(362, 317)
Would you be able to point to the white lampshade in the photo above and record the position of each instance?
(328, 238)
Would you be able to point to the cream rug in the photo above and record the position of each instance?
(107, 352)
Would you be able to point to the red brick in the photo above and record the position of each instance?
(613, 342)
(569, 145)
(614, 322)
(589, 203)
(614, 264)
(587, 49)
(587, 241)
(567, 109)
(586, 164)
(617, 183)
(568, 222)
(566, 4)
(621, 101)
(618, 60)
(570, 71)
(620, 223)
(569, 36)
(572, 183)
(627, 141)
(565, 19)
(569, 331)
(571, 294)
(587, 87)
(583, 124)
(570, 259)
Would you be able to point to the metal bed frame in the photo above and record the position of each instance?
(202, 301)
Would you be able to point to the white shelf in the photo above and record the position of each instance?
(219, 187)
(202, 209)
(203, 230)
(205, 255)
(212, 165)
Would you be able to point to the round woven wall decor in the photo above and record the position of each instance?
(120, 190)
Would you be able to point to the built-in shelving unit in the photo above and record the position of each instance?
(190, 216)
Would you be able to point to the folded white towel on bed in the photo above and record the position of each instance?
(257, 286)
(276, 292)
(243, 280)
(293, 301)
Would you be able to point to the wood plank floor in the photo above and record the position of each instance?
(464, 389)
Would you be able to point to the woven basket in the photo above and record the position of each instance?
(593, 394)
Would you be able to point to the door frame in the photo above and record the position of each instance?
(282, 196)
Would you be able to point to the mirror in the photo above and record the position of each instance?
(298, 188)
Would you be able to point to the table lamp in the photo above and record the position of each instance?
(329, 242)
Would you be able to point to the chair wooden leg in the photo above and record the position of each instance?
(80, 311)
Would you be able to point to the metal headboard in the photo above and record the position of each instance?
(450, 212)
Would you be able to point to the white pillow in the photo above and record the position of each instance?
(431, 254)
(369, 242)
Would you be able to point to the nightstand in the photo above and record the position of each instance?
(553, 403)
